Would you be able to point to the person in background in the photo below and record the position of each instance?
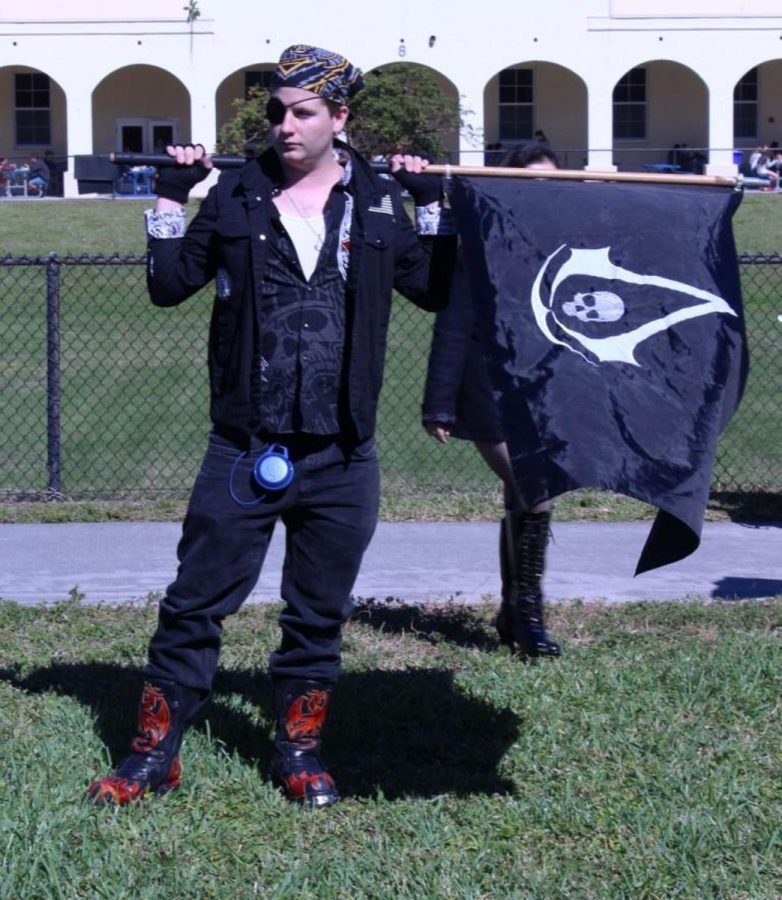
(493, 154)
(775, 166)
(540, 138)
(58, 165)
(5, 169)
(458, 402)
(759, 166)
(306, 245)
(38, 177)
(768, 167)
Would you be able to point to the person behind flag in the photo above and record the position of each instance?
(612, 321)
(305, 245)
(458, 402)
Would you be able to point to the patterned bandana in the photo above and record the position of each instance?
(322, 72)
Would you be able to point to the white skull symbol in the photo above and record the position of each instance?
(597, 306)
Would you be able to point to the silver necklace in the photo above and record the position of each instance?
(318, 233)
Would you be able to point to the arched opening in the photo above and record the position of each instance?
(661, 118)
(425, 112)
(236, 87)
(757, 99)
(139, 109)
(536, 96)
(33, 120)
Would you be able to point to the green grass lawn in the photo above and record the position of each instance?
(74, 227)
(134, 407)
(645, 763)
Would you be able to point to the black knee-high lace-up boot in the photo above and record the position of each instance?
(520, 621)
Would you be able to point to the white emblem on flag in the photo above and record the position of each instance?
(596, 306)
(605, 306)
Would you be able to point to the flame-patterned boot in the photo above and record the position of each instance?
(520, 622)
(153, 764)
(301, 708)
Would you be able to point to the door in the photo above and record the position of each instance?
(162, 134)
(145, 135)
(131, 138)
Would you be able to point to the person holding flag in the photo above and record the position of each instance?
(305, 246)
(458, 402)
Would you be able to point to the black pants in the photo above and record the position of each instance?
(329, 511)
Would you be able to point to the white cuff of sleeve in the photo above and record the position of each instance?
(169, 224)
(434, 219)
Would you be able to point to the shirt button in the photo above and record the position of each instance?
(262, 237)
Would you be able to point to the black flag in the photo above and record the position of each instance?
(612, 321)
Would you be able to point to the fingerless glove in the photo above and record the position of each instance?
(423, 188)
(175, 182)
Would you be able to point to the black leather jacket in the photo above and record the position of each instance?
(230, 233)
(455, 338)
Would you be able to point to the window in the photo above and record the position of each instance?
(630, 106)
(162, 136)
(145, 135)
(32, 108)
(256, 78)
(516, 105)
(745, 106)
(132, 138)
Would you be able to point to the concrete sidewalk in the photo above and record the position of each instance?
(414, 562)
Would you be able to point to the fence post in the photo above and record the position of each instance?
(53, 447)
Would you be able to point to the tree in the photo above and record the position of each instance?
(245, 133)
(402, 106)
(192, 10)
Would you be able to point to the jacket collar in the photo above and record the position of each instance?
(266, 172)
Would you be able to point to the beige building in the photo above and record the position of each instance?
(610, 82)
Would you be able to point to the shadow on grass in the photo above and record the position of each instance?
(735, 588)
(751, 507)
(405, 734)
(452, 622)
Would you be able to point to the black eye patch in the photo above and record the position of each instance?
(275, 111)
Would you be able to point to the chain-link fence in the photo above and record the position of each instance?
(104, 396)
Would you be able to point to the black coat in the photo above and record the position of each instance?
(458, 391)
(229, 232)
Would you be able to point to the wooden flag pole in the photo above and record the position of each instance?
(581, 175)
(230, 162)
